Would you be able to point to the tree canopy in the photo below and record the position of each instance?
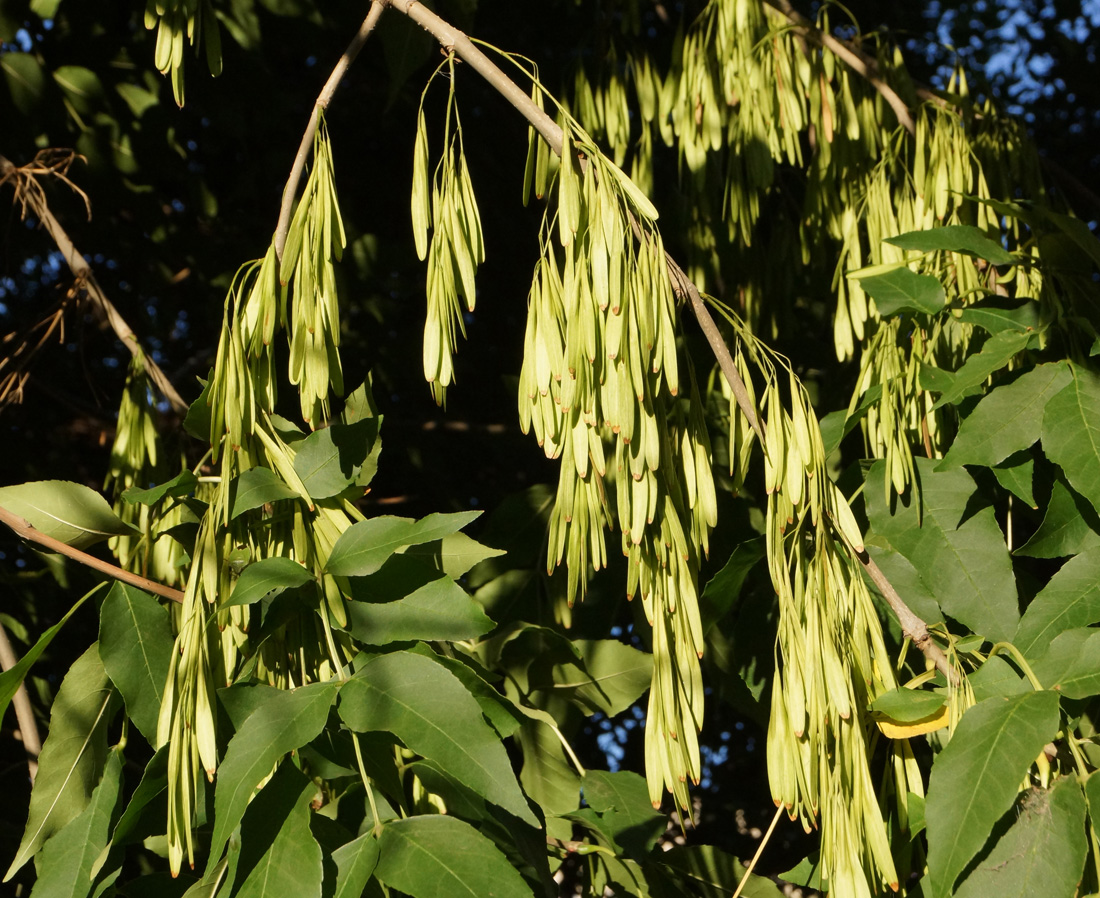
(764, 337)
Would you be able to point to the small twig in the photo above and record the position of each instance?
(24, 713)
(911, 626)
(859, 63)
(24, 529)
(86, 278)
(323, 99)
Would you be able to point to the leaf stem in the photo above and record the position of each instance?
(24, 529)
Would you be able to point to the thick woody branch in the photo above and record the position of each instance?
(86, 278)
(454, 40)
(323, 99)
(860, 63)
(23, 528)
(24, 713)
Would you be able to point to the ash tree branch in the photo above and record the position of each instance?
(451, 39)
(24, 713)
(23, 528)
(86, 277)
(282, 228)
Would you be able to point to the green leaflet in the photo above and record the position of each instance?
(73, 754)
(279, 855)
(1071, 663)
(442, 857)
(331, 459)
(954, 238)
(903, 290)
(609, 676)
(68, 859)
(439, 610)
(1042, 853)
(619, 809)
(977, 775)
(1008, 419)
(355, 863)
(1070, 599)
(965, 566)
(265, 577)
(180, 485)
(430, 711)
(256, 487)
(996, 353)
(69, 512)
(1070, 525)
(1071, 433)
(135, 643)
(364, 547)
(282, 722)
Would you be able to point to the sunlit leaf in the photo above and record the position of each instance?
(1070, 599)
(69, 512)
(364, 547)
(267, 576)
(954, 238)
(1071, 433)
(904, 290)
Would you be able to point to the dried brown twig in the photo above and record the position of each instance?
(29, 195)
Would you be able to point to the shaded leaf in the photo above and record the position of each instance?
(1071, 663)
(330, 460)
(428, 709)
(904, 290)
(965, 566)
(1070, 599)
(279, 855)
(364, 547)
(442, 857)
(11, 679)
(135, 643)
(1071, 433)
(994, 316)
(455, 554)
(66, 865)
(622, 811)
(282, 722)
(267, 576)
(1042, 853)
(976, 777)
(258, 486)
(1007, 419)
(355, 863)
(26, 80)
(499, 710)
(153, 782)
(438, 611)
(709, 872)
(997, 352)
(72, 756)
(180, 485)
(908, 705)
(609, 678)
(547, 777)
(1016, 474)
(957, 239)
(1070, 525)
(69, 512)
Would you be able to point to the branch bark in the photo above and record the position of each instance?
(24, 529)
(24, 713)
(83, 272)
(282, 228)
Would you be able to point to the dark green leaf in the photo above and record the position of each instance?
(69, 512)
(26, 80)
(135, 643)
(81, 87)
(258, 486)
(153, 782)
(442, 857)
(994, 316)
(610, 677)
(724, 588)
(965, 566)
(1042, 853)
(996, 677)
(500, 711)
(623, 811)
(438, 611)
(329, 460)
(279, 855)
(954, 238)
(283, 722)
(428, 709)
(997, 352)
(1070, 599)
(1071, 663)
(709, 872)
(180, 485)
(908, 705)
(907, 580)
(267, 576)
(1069, 526)
(364, 547)
(72, 757)
(197, 420)
(11, 679)
(1008, 419)
(547, 776)
(904, 290)
(1016, 474)
(355, 863)
(976, 777)
(455, 554)
(65, 867)
(1071, 433)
